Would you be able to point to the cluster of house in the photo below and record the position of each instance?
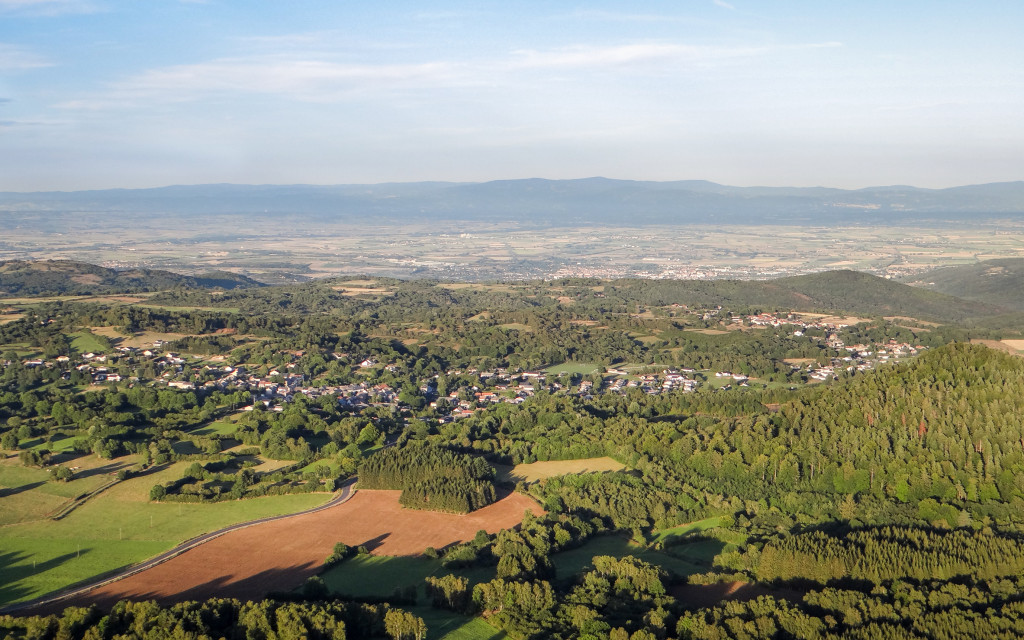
(864, 358)
(280, 386)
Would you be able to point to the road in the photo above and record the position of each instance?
(346, 492)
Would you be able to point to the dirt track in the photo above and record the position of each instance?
(280, 555)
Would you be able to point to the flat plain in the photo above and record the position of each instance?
(286, 249)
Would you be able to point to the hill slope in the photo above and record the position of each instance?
(995, 282)
(830, 291)
(54, 277)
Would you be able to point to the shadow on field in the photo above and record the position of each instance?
(13, 491)
(15, 567)
(255, 587)
(375, 542)
(150, 470)
(65, 457)
(109, 469)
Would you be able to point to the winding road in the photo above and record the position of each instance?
(347, 491)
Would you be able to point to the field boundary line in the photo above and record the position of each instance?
(68, 508)
(348, 490)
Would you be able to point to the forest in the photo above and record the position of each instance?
(883, 502)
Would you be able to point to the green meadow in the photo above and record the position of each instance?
(118, 527)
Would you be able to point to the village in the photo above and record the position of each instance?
(464, 391)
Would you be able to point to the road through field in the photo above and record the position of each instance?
(57, 602)
(278, 554)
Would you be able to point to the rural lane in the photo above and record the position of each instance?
(346, 492)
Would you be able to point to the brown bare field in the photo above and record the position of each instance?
(539, 470)
(1017, 345)
(363, 292)
(280, 555)
(831, 319)
(708, 332)
(11, 317)
(1006, 346)
(359, 283)
(142, 339)
(914, 321)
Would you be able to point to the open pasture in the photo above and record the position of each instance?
(118, 527)
(539, 470)
(575, 368)
(28, 493)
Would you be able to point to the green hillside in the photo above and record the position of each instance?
(830, 291)
(996, 282)
(66, 277)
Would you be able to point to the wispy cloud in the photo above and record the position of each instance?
(16, 58)
(723, 4)
(300, 79)
(633, 54)
(316, 77)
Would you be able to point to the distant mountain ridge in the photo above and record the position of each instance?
(546, 202)
(66, 277)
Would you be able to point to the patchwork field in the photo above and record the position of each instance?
(279, 555)
(118, 527)
(28, 493)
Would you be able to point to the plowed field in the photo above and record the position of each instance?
(280, 555)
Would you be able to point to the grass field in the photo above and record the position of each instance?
(138, 340)
(574, 561)
(219, 428)
(445, 625)
(580, 368)
(539, 470)
(379, 576)
(86, 342)
(333, 465)
(30, 494)
(116, 528)
(516, 326)
(665, 535)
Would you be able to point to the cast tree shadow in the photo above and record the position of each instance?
(13, 491)
(15, 567)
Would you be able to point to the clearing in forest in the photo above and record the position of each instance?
(539, 470)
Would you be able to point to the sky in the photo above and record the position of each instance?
(144, 93)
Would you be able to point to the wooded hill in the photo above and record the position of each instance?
(66, 277)
(830, 292)
(991, 282)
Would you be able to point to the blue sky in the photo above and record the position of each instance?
(104, 93)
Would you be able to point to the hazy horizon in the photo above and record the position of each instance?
(99, 94)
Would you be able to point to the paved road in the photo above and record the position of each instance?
(346, 492)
